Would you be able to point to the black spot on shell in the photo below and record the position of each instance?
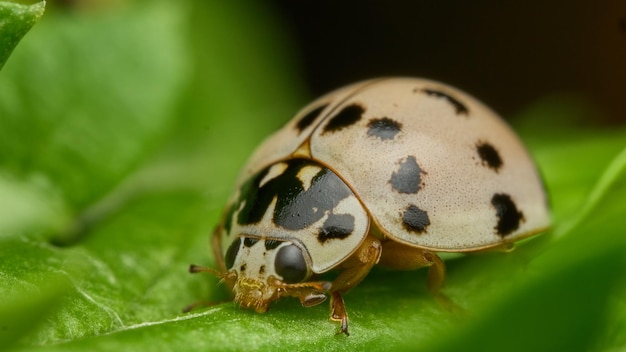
(309, 118)
(459, 107)
(299, 209)
(262, 270)
(249, 241)
(296, 208)
(509, 218)
(249, 194)
(231, 253)
(384, 128)
(337, 226)
(349, 115)
(271, 244)
(408, 177)
(243, 267)
(489, 156)
(415, 219)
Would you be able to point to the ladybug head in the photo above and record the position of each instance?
(262, 271)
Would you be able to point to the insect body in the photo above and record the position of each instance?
(386, 171)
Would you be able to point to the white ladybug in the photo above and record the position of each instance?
(387, 171)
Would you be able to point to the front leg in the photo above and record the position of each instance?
(354, 271)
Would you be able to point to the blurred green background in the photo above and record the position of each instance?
(124, 123)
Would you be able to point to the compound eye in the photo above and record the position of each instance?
(231, 253)
(290, 264)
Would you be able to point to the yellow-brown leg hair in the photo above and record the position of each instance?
(402, 257)
(354, 269)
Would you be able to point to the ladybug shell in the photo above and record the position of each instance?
(432, 167)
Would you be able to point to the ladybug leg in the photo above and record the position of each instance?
(338, 312)
(354, 269)
(402, 257)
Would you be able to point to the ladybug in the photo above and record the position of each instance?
(388, 171)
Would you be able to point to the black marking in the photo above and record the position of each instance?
(384, 128)
(408, 177)
(415, 219)
(231, 253)
(248, 194)
(459, 107)
(249, 241)
(344, 118)
(243, 267)
(290, 264)
(309, 118)
(489, 156)
(262, 270)
(509, 218)
(296, 208)
(337, 226)
(272, 244)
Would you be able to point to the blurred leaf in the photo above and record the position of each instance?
(244, 86)
(15, 21)
(28, 204)
(28, 305)
(116, 282)
(572, 166)
(86, 98)
(572, 155)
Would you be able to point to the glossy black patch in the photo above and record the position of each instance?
(290, 264)
(384, 128)
(309, 118)
(408, 177)
(231, 253)
(249, 241)
(271, 244)
(337, 226)
(509, 218)
(296, 208)
(489, 156)
(252, 213)
(344, 118)
(415, 219)
(459, 107)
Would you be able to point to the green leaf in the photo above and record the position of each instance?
(32, 302)
(115, 281)
(15, 21)
(139, 117)
(87, 99)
